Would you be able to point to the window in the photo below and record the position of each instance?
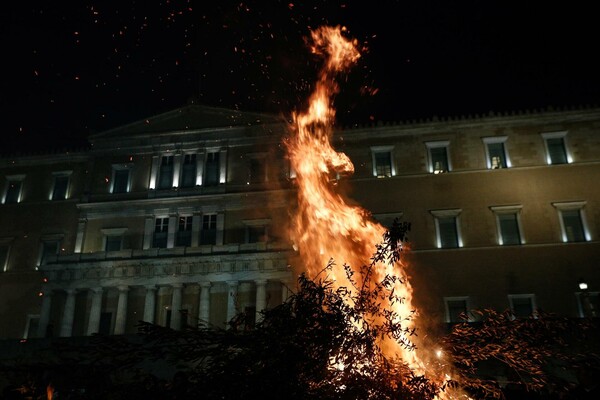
(212, 169)
(113, 238)
(438, 156)
(572, 221)
(49, 248)
(113, 243)
(257, 230)
(165, 173)
(382, 159)
(572, 225)
(31, 326)
(496, 154)
(508, 224)
(12, 193)
(4, 253)
(256, 234)
(457, 309)
(120, 179)
(556, 149)
(257, 172)
(447, 228)
(522, 305)
(61, 186)
(387, 219)
(208, 234)
(588, 304)
(161, 229)
(184, 231)
(188, 171)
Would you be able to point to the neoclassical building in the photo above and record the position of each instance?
(182, 218)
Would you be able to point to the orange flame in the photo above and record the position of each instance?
(49, 392)
(325, 227)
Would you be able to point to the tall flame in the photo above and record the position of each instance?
(49, 392)
(325, 227)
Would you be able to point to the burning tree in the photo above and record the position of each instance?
(325, 227)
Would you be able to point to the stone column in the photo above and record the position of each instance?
(204, 307)
(121, 318)
(223, 166)
(261, 297)
(80, 234)
(172, 228)
(45, 313)
(177, 159)
(231, 299)
(220, 228)
(199, 168)
(148, 232)
(66, 327)
(95, 310)
(176, 306)
(196, 222)
(154, 172)
(150, 303)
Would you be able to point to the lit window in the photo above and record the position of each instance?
(572, 221)
(113, 238)
(120, 179)
(257, 230)
(113, 243)
(184, 231)
(387, 219)
(61, 186)
(291, 171)
(556, 148)
(383, 162)
(31, 326)
(4, 253)
(496, 154)
(447, 228)
(212, 169)
(438, 156)
(522, 305)
(165, 173)
(188, 171)
(457, 309)
(256, 234)
(257, 172)
(208, 234)
(14, 185)
(508, 224)
(161, 229)
(588, 304)
(49, 248)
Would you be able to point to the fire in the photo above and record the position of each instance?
(325, 227)
(49, 392)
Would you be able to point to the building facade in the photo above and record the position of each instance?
(183, 219)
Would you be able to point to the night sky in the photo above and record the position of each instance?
(72, 68)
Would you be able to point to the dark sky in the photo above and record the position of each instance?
(71, 68)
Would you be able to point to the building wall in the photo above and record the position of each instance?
(480, 269)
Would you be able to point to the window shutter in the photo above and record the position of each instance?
(573, 225)
(556, 150)
(509, 229)
(448, 233)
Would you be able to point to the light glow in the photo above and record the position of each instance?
(325, 227)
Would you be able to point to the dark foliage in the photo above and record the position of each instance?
(541, 356)
(322, 343)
